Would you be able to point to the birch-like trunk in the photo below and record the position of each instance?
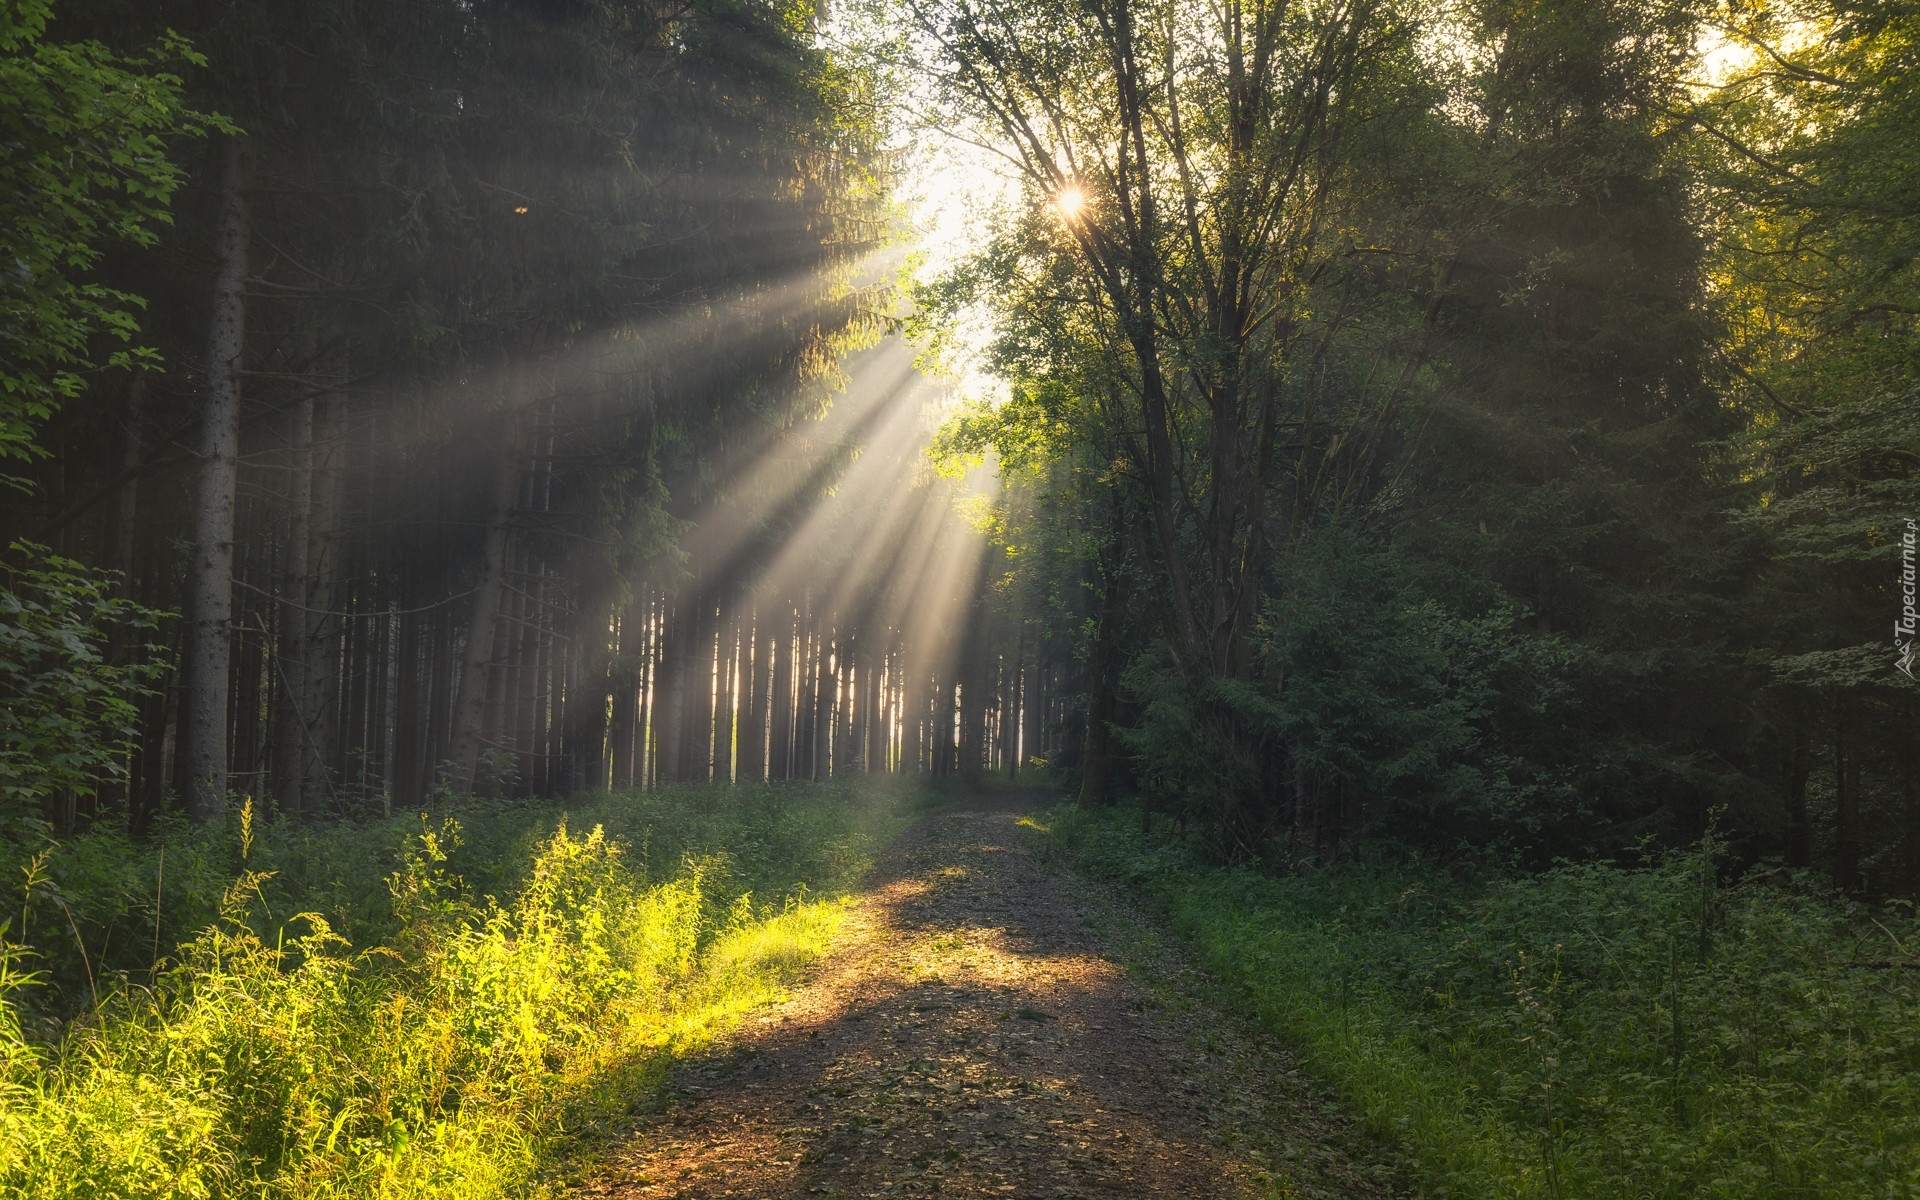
(780, 698)
(209, 644)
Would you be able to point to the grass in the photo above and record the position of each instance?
(1591, 1032)
(424, 1007)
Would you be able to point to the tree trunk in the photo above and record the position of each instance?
(209, 644)
(820, 758)
(917, 696)
(753, 671)
(844, 750)
(732, 676)
(319, 597)
(1033, 698)
(872, 755)
(1096, 768)
(780, 699)
(676, 653)
(125, 560)
(1799, 826)
(125, 528)
(591, 682)
(626, 694)
(940, 736)
(646, 723)
(700, 650)
(470, 700)
(974, 697)
(291, 721)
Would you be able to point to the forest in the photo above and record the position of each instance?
(547, 540)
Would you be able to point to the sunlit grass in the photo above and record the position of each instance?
(454, 1057)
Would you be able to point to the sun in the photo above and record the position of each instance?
(1070, 200)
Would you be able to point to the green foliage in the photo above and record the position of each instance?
(1482, 591)
(1814, 279)
(270, 1057)
(85, 166)
(68, 717)
(1592, 1031)
(1423, 718)
(133, 899)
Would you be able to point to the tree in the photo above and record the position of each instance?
(1193, 168)
(210, 585)
(68, 712)
(86, 165)
(523, 281)
(1490, 392)
(1810, 149)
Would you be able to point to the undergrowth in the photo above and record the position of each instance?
(422, 1007)
(1594, 1031)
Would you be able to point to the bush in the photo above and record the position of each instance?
(68, 715)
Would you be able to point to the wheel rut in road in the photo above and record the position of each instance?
(977, 1034)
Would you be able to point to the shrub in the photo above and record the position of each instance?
(1592, 1030)
(270, 1057)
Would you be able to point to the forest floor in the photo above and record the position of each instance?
(993, 1026)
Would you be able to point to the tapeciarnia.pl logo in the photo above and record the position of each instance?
(1903, 629)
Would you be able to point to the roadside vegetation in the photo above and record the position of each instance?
(1591, 1031)
(426, 1005)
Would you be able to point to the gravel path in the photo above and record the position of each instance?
(993, 1028)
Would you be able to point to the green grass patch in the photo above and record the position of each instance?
(1592, 1031)
(430, 1006)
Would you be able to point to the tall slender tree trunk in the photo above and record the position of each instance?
(973, 701)
(125, 526)
(125, 558)
(1033, 696)
(1010, 708)
(713, 689)
(872, 749)
(800, 720)
(1096, 773)
(470, 700)
(1799, 825)
(727, 727)
(698, 648)
(753, 672)
(504, 729)
(918, 701)
(780, 699)
(290, 719)
(320, 595)
(209, 642)
(624, 738)
(845, 713)
(646, 724)
(820, 762)
(944, 709)
(591, 683)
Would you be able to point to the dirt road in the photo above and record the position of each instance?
(993, 1028)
